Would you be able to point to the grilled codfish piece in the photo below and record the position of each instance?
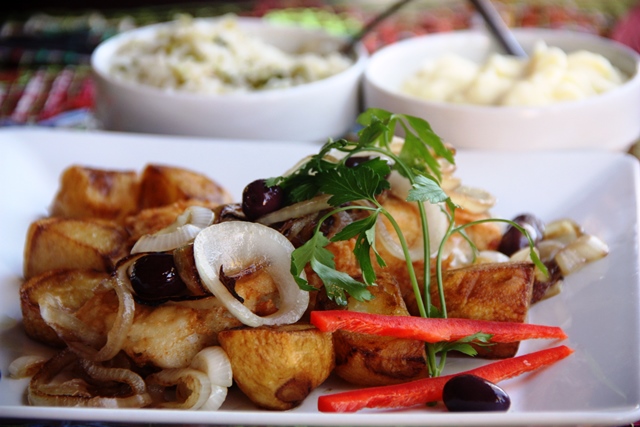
(170, 334)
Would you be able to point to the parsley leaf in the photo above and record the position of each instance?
(338, 283)
(315, 253)
(426, 190)
(464, 346)
(352, 184)
(364, 232)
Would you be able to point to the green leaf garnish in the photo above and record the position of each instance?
(426, 189)
(358, 188)
(352, 184)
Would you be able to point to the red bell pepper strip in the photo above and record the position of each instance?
(431, 330)
(420, 392)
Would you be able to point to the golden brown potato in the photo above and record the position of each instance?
(71, 288)
(163, 185)
(64, 243)
(497, 291)
(486, 235)
(96, 193)
(500, 292)
(370, 360)
(277, 367)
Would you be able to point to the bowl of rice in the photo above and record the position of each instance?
(573, 90)
(228, 77)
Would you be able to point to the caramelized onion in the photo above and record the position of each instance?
(26, 366)
(124, 319)
(82, 339)
(120, 375)
(564, 231)
(577, 254)
(235, 245)
(46, 390)
(68, 327)
(193, 388)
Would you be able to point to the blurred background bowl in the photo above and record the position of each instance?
(610, 120)
(312, 111)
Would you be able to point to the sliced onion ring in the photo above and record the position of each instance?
(214, 362)
(235, 245)
(564, 231)
(296, 210)
(42, 391)
(474, 200)
(436, 219)
(577, 254)
(26, 366)
(193, 387)
(83, 340)
(489, 256)
(217, 396)
(183, 230)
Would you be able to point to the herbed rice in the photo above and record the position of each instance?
(218, 58)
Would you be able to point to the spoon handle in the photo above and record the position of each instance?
(498, 27)
(393, 8)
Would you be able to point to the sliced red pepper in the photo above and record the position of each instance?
(420, 392)
(430, 330)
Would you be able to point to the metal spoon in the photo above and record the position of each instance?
(393, 8)
(498, 28)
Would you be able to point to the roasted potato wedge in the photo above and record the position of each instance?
(496, 291)
(96, 193)
(65, 243)
(277, 367)
(163, 185)
(71, 288)
(369, 360)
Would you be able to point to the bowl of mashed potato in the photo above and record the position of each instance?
(572, 90)
(228, 77)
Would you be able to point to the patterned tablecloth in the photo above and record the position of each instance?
(45, 78)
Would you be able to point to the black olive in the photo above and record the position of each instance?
(513, 240)
(470, 393)
(259, 200)
(355, 161)
(155, 277)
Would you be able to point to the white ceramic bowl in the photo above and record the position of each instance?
(609, 121)
(309, 112)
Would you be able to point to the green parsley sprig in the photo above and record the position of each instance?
(357, 188)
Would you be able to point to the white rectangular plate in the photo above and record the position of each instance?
(599, 307)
